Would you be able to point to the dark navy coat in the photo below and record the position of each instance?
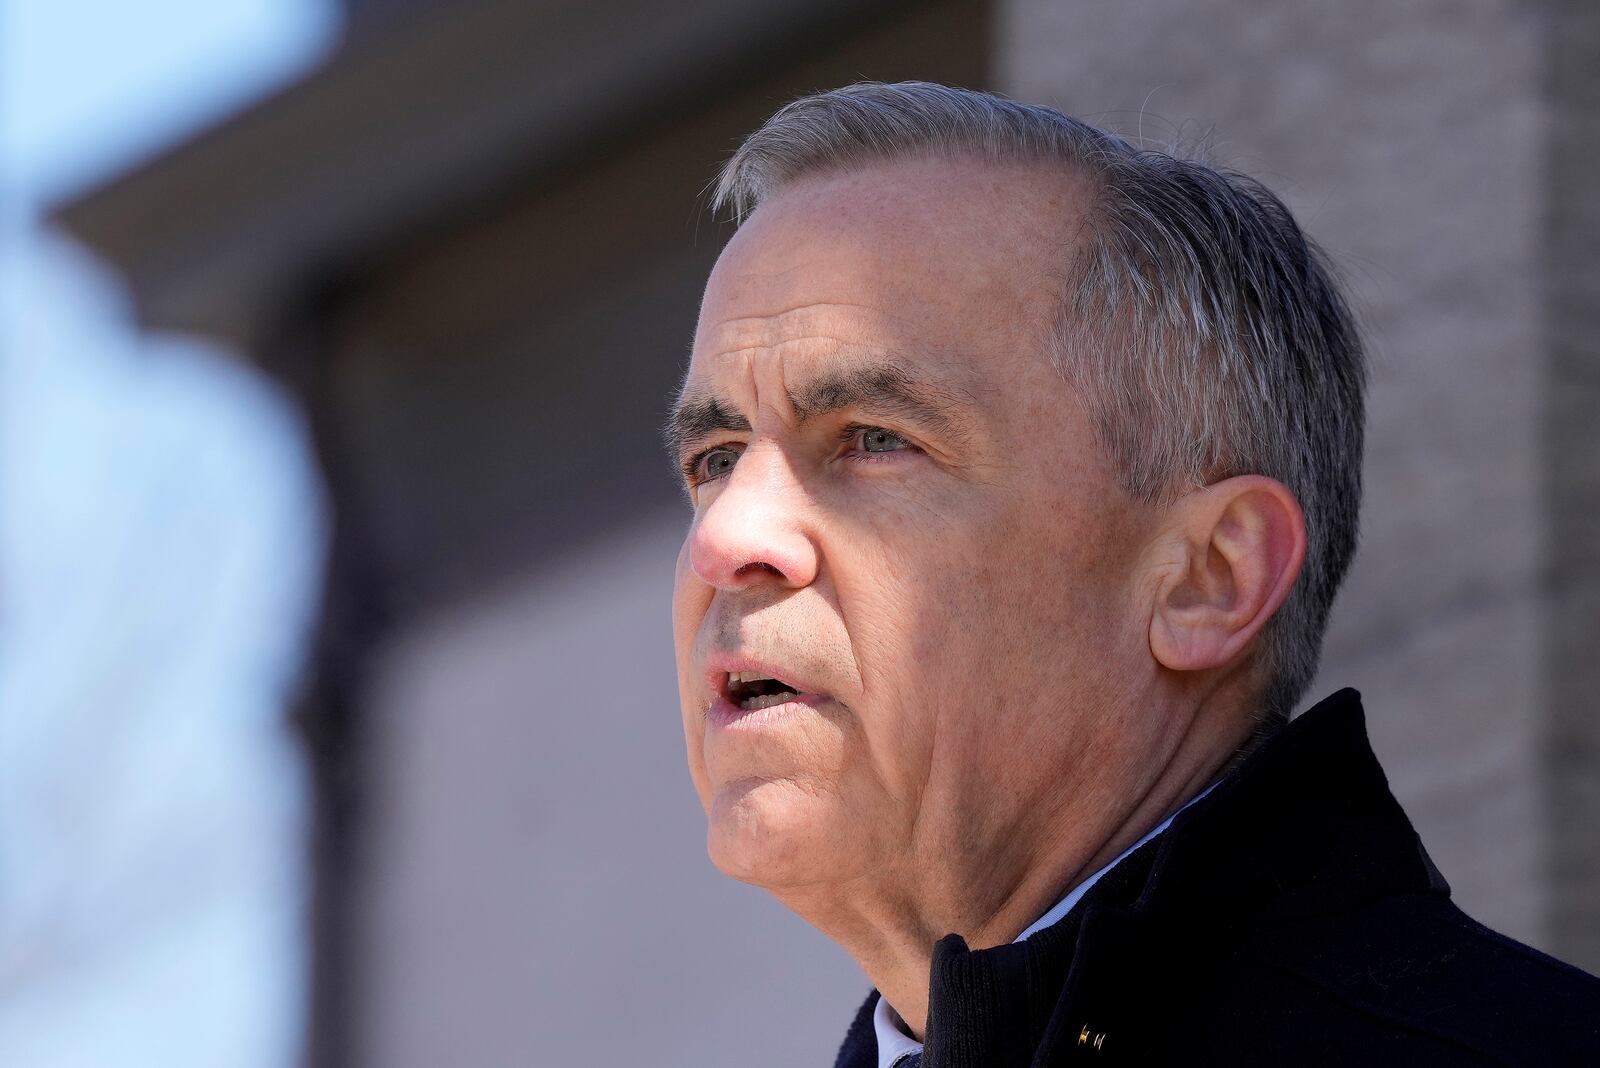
(1290, 917)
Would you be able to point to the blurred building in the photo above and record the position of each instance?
(473, 244)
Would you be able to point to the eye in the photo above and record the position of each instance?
(877, 439)
(713, 464)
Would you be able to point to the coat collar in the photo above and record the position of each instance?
(1304, 826)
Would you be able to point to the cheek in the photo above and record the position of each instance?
(691, 599)
(1054, 582)
(1003, 608)
(1051, 610)
(891, 574)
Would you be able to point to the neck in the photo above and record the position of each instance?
(889, 921)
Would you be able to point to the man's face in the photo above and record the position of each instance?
(906, 613)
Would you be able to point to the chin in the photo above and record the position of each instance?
(774, 833)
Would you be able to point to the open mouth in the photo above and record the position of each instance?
(751, 690)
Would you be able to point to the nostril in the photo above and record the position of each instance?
(757, 567)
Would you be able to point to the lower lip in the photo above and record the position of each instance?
(725, 715)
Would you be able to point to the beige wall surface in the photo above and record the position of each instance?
(539, 892)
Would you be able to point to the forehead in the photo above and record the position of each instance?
(941, 259)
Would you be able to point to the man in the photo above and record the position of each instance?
(1025, 467)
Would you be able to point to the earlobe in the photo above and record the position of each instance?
(1238, 547)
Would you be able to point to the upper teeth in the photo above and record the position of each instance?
(738, 678)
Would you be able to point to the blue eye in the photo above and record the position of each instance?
(715, 463)
(877, 439)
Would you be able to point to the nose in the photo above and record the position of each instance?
(754, 530)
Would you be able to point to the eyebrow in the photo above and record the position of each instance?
(694, 419)
(886, 387)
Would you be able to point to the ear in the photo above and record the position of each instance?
(1235, 548)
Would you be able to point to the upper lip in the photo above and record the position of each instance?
(720, 665)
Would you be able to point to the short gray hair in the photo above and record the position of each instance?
(1204, 331)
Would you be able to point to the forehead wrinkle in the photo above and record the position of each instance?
(888, 383)
(801, 322)
(744, 369)
(802, 313)
(758, 346)
(851, 375)
(701, 410)
(841, 387)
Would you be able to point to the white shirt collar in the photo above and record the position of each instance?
(894, 1043)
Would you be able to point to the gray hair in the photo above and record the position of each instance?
(1204, 331)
